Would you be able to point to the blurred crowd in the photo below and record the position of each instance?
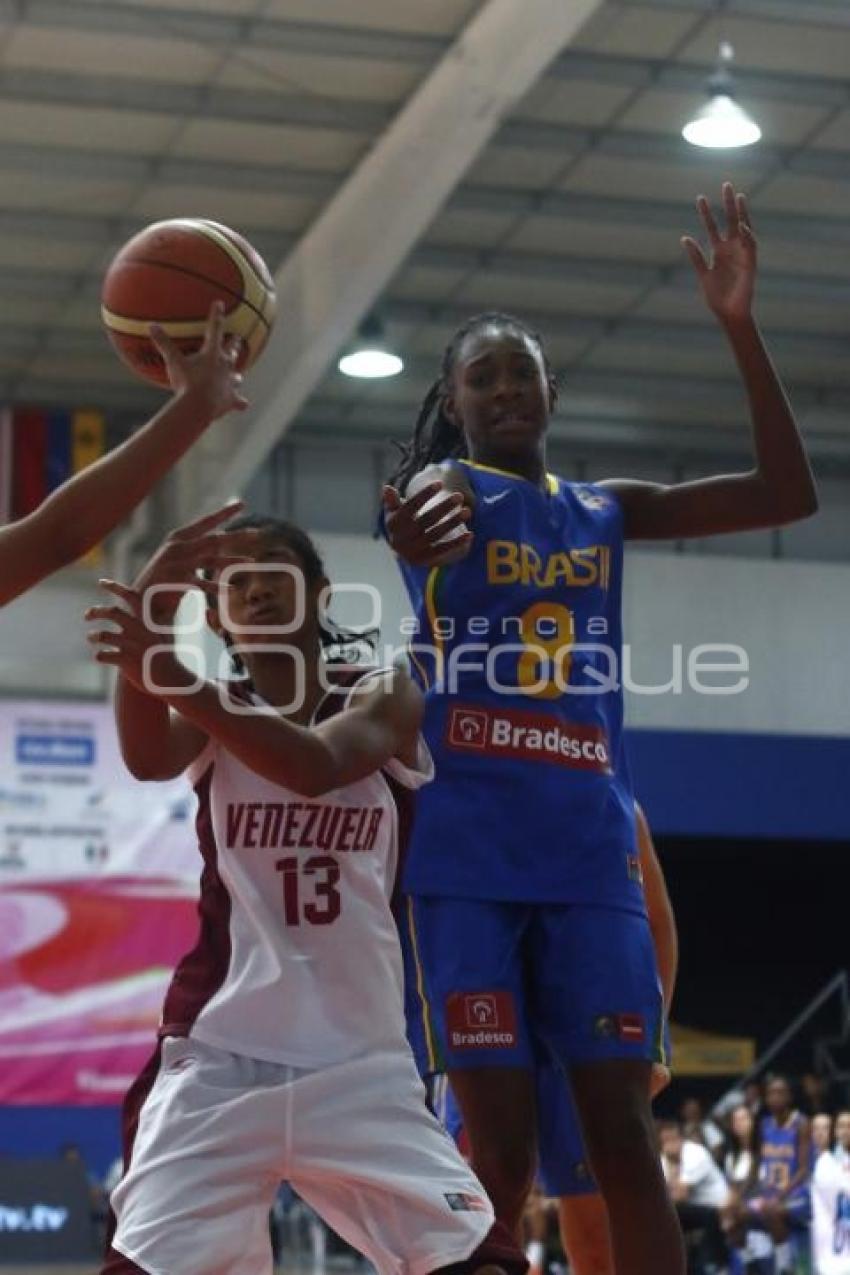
(761, 1184)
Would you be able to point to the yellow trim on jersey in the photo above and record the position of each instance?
(431, 610)
(433, 1062)
(551, 479)
(423, 673)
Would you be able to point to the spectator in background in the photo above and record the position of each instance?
(830, 1190)
(752, 1251)
(821, 1134)
(841, 1150)
(698, 1190)
(816, 1097)
(741, 1161)
(754, 1098)
(698, 1128)
(781, 1205)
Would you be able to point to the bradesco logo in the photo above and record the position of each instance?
(511, 732)
(481, 1020)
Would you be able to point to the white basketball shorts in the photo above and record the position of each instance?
(219, 1132)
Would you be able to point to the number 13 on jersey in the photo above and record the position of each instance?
(317, 898)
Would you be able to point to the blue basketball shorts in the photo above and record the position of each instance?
(491, 984)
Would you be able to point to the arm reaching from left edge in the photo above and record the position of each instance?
(780, 489)
(85, 509)
(382, 723)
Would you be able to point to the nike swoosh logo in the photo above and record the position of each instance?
(491, 500)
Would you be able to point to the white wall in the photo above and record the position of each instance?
(791, 618)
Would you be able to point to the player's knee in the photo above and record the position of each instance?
(619, 1137)
(507, 1173)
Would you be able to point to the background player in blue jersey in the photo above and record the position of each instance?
(529, 921)
(781, 1204)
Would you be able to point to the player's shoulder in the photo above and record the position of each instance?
(595, 497)
(383, 686)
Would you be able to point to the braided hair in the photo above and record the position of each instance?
(435, 437)
(339, 645)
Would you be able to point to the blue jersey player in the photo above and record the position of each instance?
(563, 1170)
(529, 921)
(781, 1204)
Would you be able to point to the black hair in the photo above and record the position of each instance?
(435, 437)
(339, 645)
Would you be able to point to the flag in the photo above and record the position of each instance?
(5, 465)
(29, 481)
(88, 443)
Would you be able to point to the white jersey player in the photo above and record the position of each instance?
(282, 1051)
(830, 1190)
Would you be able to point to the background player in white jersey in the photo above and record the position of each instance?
(282, 1050)
(83, 510)
(830, 1192)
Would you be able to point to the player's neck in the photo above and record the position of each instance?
(528, 465)
(293, 685)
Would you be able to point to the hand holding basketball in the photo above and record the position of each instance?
(728, 277)
(419, 534)
(210, 375)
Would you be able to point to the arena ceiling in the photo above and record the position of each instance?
(258, 113)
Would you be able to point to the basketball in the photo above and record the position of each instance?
(171, 273)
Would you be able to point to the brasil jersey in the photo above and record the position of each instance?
(518, 648)
(780, 1151)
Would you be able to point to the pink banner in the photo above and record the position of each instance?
(98, 890)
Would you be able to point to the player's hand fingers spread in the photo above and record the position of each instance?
(413, 504)
(122, 591)
(214, 328)
(694, 251)
(448, 512)
(191, 530)
(704, 209)
(172, 355)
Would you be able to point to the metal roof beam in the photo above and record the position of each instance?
(118, 92)
(97, 165)
(230, 32)
(346, 258)
(825, 290)
(814, 13)
(16, 337)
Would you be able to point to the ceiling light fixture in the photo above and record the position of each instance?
(722, 124)
(368, 357)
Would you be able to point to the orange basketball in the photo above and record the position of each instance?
(171, 273)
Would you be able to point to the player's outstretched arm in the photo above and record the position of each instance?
(156, 741)
(382, 723)
(80, 513)
(780, 488)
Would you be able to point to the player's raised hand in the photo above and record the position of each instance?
(131, 645)
(211, 374)
(727, 275)
(419, 537)
(187, 551)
